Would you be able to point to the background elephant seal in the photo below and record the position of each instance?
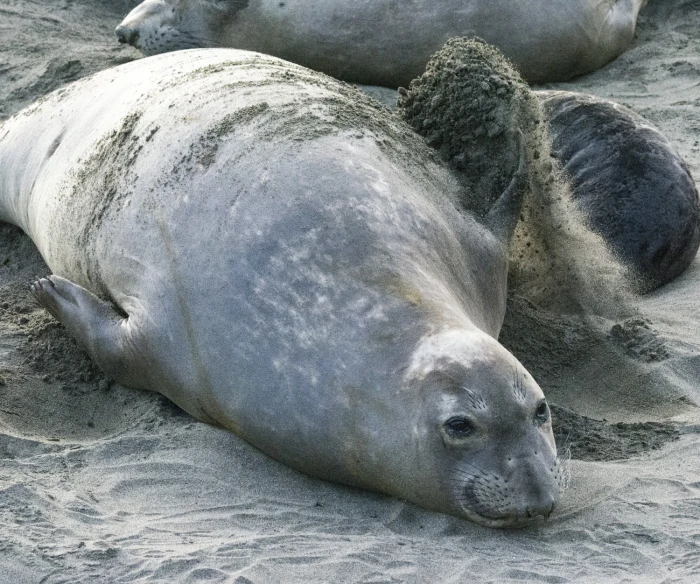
(388, 43)
(632, 185)
(282, 257)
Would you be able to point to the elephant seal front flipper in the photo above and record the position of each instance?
(105, 334)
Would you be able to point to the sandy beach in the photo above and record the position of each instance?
(100, 483)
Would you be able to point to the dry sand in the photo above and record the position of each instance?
(99, 483)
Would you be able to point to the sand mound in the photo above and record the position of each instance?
(468, 105)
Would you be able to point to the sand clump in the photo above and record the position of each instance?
(640, 340)
(468, 105)
(585, 438)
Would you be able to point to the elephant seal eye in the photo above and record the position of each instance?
(459, 427)
(542, 412)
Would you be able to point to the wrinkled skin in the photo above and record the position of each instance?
(283, 258)
(389, 42)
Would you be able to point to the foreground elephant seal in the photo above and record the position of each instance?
(632, 185)
(282, 257)
(384, 42)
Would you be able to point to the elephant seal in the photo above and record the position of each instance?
(282, 257)
(388, 43)
(631, 184)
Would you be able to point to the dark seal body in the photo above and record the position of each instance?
(282, 257)
(633, 187)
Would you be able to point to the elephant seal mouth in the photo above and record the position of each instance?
(492, 501)
(515, 520)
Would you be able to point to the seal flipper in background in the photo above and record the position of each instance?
(106, 334)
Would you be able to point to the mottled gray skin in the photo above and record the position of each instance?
(282, 257)
(388, 42)
(630, 182)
